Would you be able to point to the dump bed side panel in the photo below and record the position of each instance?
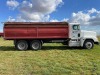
(32, 31)
(15, 32)
(53, 32)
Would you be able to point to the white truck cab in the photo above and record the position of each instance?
(79, 38)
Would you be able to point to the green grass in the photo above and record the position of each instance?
(53, 59)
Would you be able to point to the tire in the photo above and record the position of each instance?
(88, 44)
(21, 45)
(36, 45)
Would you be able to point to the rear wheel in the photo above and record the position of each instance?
(36, 45)
(88, 44)
(21, 45)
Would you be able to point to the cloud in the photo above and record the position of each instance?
(36, 10)
(95, 20)
(80, 17)
(10, 19)
(40, 10)
(55, 20)
(91, 17)
(12, 4)
(93, 10)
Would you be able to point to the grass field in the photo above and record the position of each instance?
(53, 59)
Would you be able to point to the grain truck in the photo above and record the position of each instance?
(34, 34)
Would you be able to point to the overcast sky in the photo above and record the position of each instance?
(86, 12)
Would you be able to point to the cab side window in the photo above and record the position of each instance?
(75, 27)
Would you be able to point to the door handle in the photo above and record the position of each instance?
(78, 34)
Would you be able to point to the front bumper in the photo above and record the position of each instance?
(97, 43)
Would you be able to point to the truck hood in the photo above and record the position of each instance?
(85, 33)
(90, 35)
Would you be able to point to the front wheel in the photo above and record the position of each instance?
(88, 44)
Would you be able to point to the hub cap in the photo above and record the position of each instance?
(21, 46)
(35, 45)
(89, 45)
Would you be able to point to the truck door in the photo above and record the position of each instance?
(74, 35)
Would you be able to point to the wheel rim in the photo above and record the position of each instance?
(21, 46)
(35, 45)
(88, 45)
